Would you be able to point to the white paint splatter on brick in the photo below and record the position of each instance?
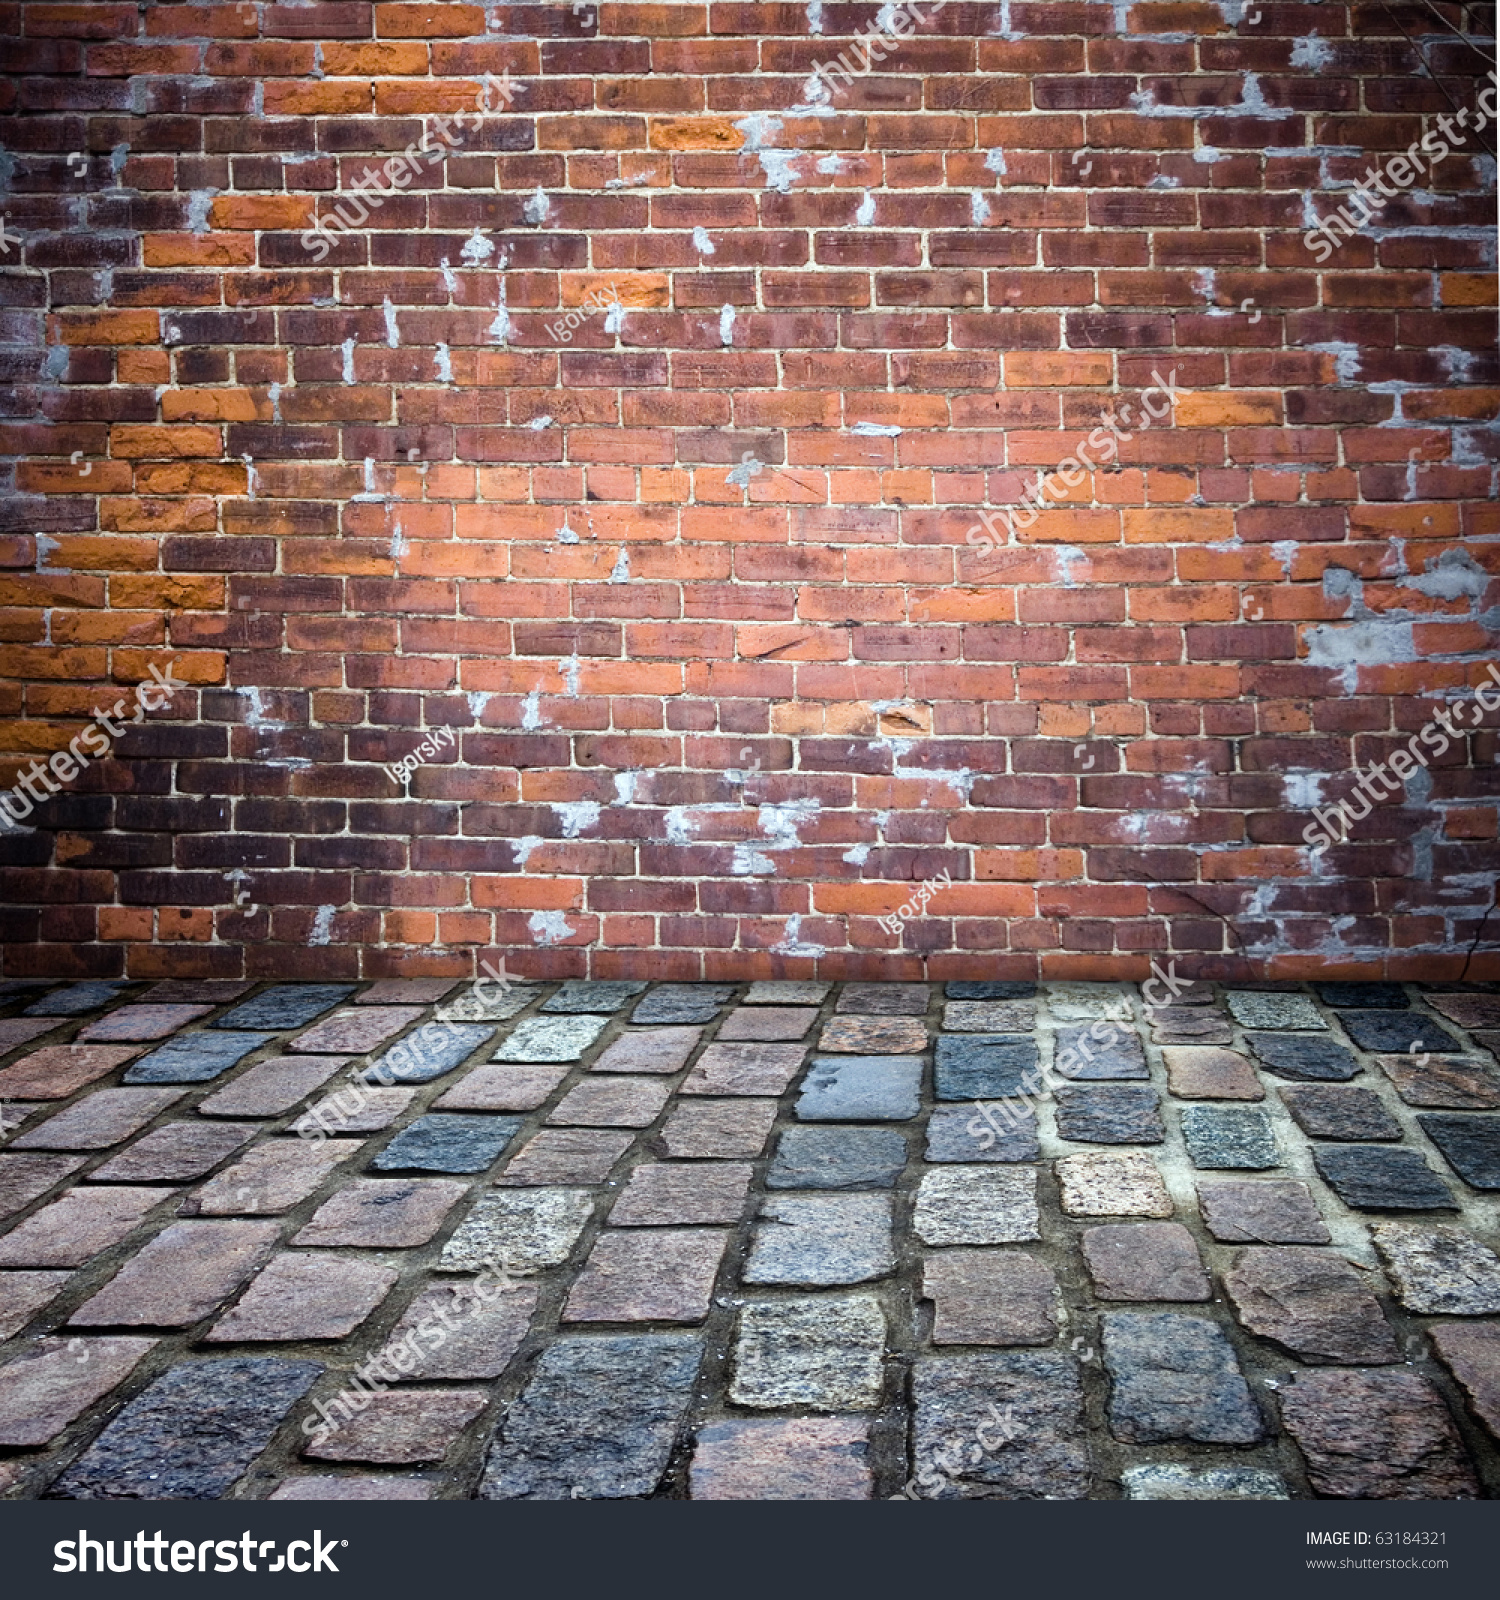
(392, 334)
(726, 326)
(702, 243)
(621, 570)
(865, 215)
(576, 815)
(322, 928)
(549, 927)
(347, 371)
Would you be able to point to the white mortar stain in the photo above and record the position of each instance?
(549, 927)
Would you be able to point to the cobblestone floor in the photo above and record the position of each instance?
(754, 1241)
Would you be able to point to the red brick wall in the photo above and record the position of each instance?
(692, 589)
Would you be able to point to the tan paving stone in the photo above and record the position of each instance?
(565, 1156)
(355, 1109)
(23, 1294)
(521, 1230)
(460, 1331)
(501, 1086)
(402, 1428)
(176, 1153)
(1203, 1072)
(664, 1050)
(24, 1178)
(180, 1276)
(272, 1088)
(874, 1036)
(273, 1177)
(990, 1297)
(716, 1129)
(78, 1225)
(744, 1069)
(304, 1297)
(776, 1458)
(58, 1070)
(665, 1193)
(383, 1213)
(1112, 1183)
(660, 1275)
(54, 1381)
(140, 1022)
(356, 1030)
(106, 1117)
(976, 1205)
(611, 1103)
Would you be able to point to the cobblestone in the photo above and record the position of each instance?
(134, 1023)
(1115, 1184)
(840, 1233)
(1263, 1211)
(1145, 1261)
(580, 995)
(861, 1089)
(1398, 1030)
(1373, 1178)
(526, 1230)
(597, 1419)
(1197, 1072)
(1438, 1269)
(874, 1036)
(782, 1458)
(77, 1226)
(822, 1239)
(1003, 1426)
(1376, 1436)
(1459, 1083)
(977, 1205)
(1174, 1376)
(826, 1352)
(837, 1158)
(1287, 1011)
(1218, 1136)
(443, 1142)
(982, 1133)
(50, 1385)
(1470, 1145)
(77, 1000)
(660, 1275)
(1310, 1302)
(1340, 1111)
(192, 1434)
(1115, 1113)
(664, 1050)
(990, 1297)
(195, 1057)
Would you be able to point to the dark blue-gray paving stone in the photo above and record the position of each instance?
(288, 1005)
(837, 1158)
(1381, 996)
(1396, 1032)
(435, 1048)
(1112, 1113)
(1004, 1131)
(861, 1089)
(192, 1434)
(1303, 1057)
(1174, 1376)
(1378, 1178)
(1470, 1145)
(76, 1000)
(445, 1142)
(582, 994)
(985, 1066)
(1098, 1056)
(989, 989)
(683, 1002)
(195, 1057)
(597, 1419)
(1229, 1136)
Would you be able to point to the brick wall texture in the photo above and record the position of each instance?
(693, 590)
